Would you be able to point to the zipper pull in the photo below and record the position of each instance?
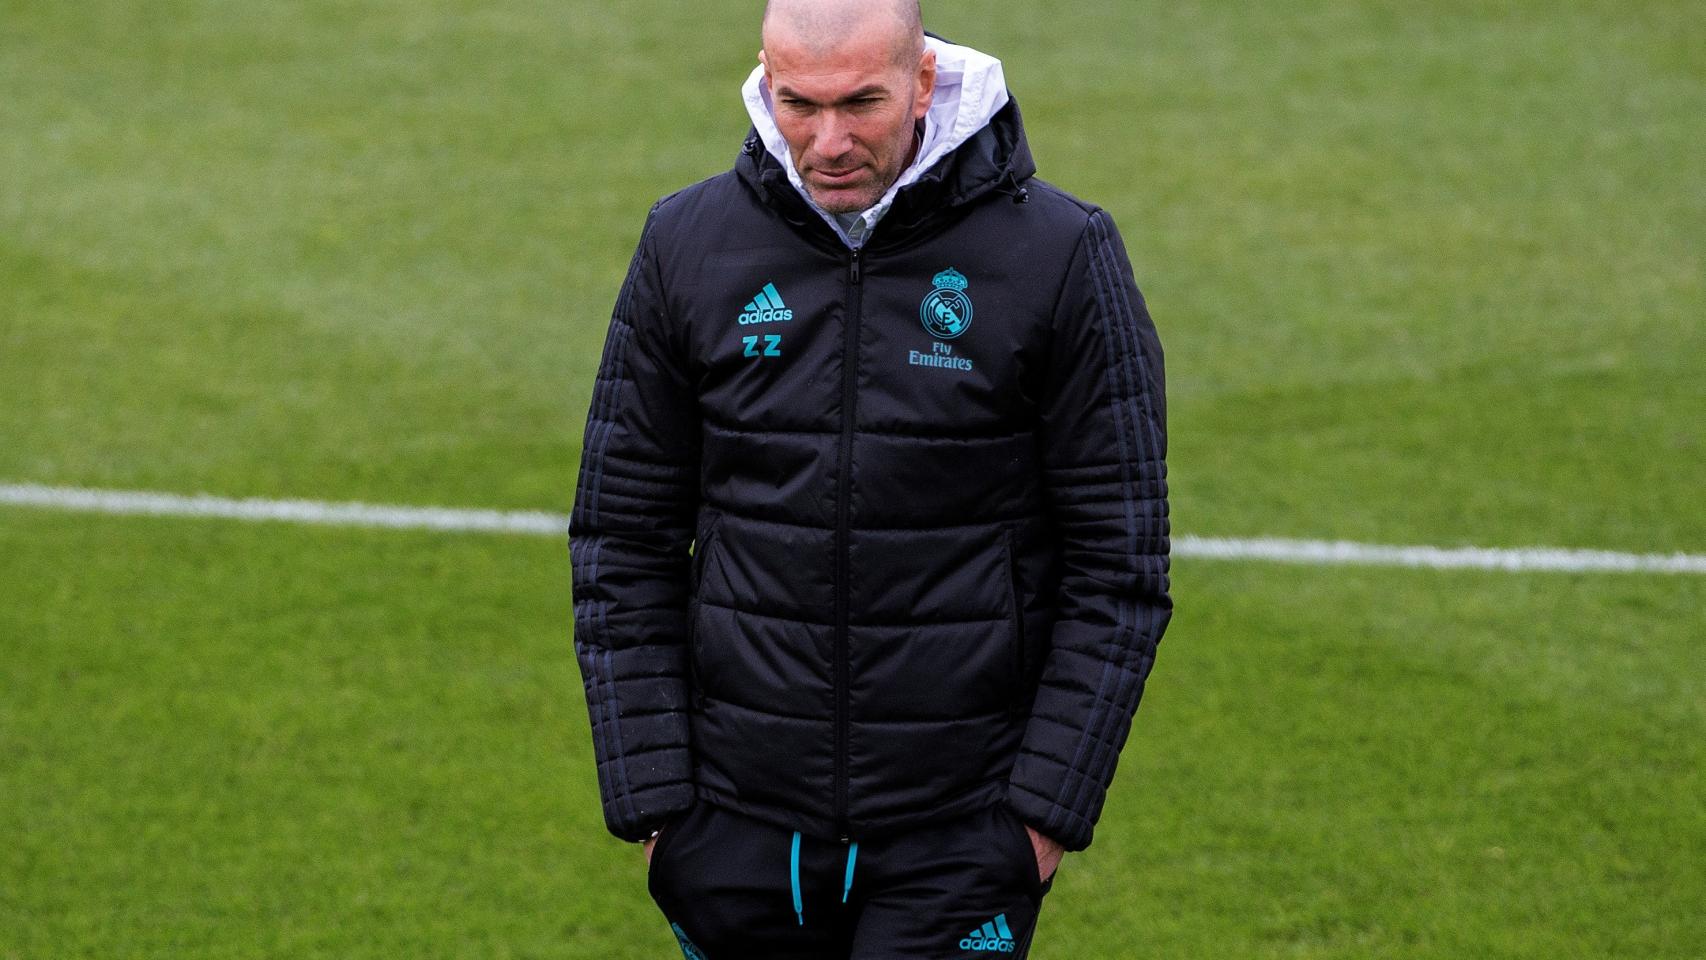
(853, 267)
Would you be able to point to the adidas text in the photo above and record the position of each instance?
(766, 316)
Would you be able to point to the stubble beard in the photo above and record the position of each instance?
(843, 202)
(867, 197)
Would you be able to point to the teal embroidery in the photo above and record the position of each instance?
(993, 937)
(688, 950)
(766, 307)
(946, 311)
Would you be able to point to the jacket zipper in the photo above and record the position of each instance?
(849, 361)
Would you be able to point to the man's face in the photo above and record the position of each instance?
(848, 113)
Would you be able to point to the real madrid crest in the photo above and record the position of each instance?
(946, 312)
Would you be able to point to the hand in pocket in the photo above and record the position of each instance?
(650, 843)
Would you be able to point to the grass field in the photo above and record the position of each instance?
(1425, 274)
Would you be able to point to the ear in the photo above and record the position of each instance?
(926, 85)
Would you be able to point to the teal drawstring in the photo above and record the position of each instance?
(852, 855)
(794, 875)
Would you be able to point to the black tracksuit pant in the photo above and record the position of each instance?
(736, 888)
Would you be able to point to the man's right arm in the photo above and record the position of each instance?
(635, 503)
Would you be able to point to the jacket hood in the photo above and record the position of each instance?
(973, 142)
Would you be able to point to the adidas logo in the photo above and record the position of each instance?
(767, 307)
(992, 937)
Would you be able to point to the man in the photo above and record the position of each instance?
(905, 404)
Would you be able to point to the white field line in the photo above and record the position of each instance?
(1325, 552)
(287, 511)
(1312, 552)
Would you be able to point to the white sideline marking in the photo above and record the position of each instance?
(1313, 552)
(1326, 552)
(288, 511)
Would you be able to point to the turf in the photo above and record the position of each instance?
(1425, 274)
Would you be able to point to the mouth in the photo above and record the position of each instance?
(837, 178)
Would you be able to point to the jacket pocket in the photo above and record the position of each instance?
(1016, 602)
(702, 546)
(666, 839)
(1027, 853)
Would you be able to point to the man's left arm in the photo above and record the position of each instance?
(1104, 450)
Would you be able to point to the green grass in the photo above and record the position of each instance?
(1424, 274)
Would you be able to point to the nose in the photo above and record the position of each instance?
(834, 136)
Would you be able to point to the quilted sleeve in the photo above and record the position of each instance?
(633, 518)
(1105, 486)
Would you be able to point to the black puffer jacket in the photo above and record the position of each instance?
(925, 487)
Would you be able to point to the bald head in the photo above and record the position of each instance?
(824, 25)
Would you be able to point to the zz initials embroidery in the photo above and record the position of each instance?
(772, 346)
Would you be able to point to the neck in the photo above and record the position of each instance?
(911, 152)
(917, 141)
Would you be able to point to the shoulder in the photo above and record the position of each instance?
(1041, 232)
(1044, 218)
(1086, 228)
(694, 210)
(1066, 212)
(1060, 201)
